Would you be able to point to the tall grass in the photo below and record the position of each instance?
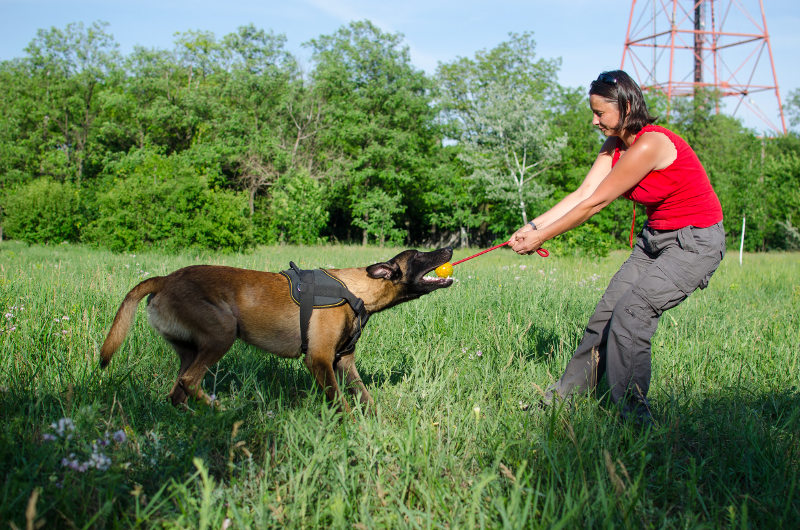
(451, 374)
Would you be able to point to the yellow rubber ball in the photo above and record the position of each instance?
(444, 271)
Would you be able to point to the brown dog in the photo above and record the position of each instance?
(202, 309)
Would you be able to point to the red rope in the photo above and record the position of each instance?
(542, 252)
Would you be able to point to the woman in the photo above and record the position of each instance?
(677, 251)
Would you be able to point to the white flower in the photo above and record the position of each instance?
(99, 461)
(63, 426)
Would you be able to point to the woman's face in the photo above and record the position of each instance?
(605, 115)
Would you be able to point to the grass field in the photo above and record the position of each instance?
(450, 446)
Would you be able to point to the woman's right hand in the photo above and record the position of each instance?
(519, 234)
(527, 241)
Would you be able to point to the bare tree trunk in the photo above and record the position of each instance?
(522, 206)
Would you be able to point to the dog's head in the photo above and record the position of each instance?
(407, 271)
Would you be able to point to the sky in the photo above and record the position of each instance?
(587, 35)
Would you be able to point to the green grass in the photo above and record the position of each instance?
(450, 446)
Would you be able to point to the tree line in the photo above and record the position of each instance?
(228, 143)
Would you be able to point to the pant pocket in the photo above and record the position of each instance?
(686, 240)
(660, 292)
(711, 244)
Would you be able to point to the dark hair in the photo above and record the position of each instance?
(618, 87)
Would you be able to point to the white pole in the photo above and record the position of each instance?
(741, 245)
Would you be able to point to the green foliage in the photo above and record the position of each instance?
(378, 122)
(452, 200)
(68, 69)
(159, 201)
(507, 145)
(42, 211)
(463, 156)
(297, 211)
(495, 108)
(792, 107)
(375, 213)
(777, 219)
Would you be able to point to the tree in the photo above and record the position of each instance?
(495, 107)
(792, 107)
(508, 143)
(375, 214)
(377, 122)
(70, 67)
(255, 174)
(250, 129)
(20, 122)
(512, 64)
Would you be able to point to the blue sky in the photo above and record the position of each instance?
(588, 35)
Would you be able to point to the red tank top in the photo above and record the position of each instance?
(678, 195)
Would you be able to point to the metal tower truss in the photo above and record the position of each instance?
(679, 46)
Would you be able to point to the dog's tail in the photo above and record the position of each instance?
(125, 316)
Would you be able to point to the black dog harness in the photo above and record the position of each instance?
(318, 289)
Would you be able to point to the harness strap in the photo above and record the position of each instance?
(309, 290)
(306, 290)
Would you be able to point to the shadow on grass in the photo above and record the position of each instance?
(726, 458)
(541, 345)
(277, 378)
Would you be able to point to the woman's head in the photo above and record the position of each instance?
(618, 88)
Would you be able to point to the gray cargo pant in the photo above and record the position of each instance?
(664, 268)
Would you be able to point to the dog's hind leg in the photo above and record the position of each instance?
(187, 353)
(211, 346)
(346, 370)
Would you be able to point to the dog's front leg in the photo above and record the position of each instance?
(321, 367)
(346, 370)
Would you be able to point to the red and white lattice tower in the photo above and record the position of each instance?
(679, 46)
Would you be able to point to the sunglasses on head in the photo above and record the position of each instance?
(607, 78)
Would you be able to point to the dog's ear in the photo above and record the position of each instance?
(387, 270)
